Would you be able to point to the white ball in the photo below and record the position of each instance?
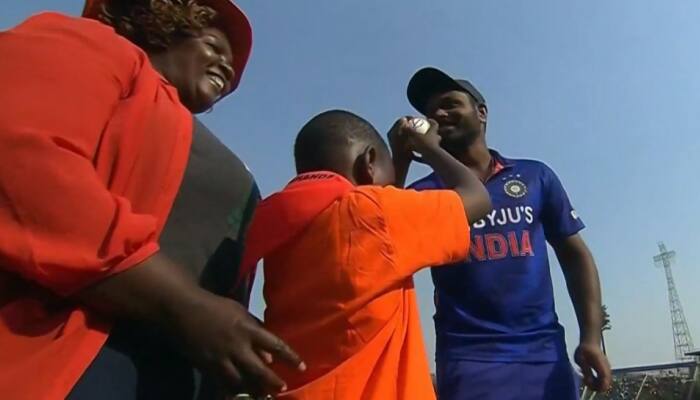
(419, 125)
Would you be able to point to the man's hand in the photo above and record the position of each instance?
(590, 359)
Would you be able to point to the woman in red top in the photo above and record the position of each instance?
(95, 133)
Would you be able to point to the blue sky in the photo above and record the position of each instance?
(605, 92)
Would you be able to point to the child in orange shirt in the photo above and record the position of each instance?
(340, 246)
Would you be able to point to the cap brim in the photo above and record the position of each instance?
(426, 83)
(230, 19)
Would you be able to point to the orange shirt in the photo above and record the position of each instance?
(93, 144)
(341, 292)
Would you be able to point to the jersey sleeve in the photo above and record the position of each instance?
(559, 219)
(59, 224)
(425, 228)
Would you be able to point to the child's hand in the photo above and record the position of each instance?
(398, 141)
(423, 142)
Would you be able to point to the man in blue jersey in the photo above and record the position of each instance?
(498, 336)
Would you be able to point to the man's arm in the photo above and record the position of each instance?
(583, 285)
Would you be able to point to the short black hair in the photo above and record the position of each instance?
(323, 139)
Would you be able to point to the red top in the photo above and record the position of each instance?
(94, 144)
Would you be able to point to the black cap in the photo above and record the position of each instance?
(429, 81)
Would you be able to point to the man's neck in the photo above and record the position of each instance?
(478, 158)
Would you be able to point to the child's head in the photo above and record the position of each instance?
(344, 143)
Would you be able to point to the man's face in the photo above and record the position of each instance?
(459, 117)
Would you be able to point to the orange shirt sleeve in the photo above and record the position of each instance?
(425, 228)
(60, 226)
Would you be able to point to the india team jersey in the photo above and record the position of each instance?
(498, 305)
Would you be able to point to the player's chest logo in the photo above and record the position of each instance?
(514, 187)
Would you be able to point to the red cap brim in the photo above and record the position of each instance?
(230, 19)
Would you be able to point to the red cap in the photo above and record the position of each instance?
(230, 19)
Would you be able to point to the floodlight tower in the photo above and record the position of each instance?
(682, 341)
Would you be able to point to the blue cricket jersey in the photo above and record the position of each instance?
(499, 305)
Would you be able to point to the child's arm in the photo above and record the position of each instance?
(400, 151)
(455, 175)
(431, 227)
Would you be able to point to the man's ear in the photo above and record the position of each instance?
(482, 112)
(364, 168)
